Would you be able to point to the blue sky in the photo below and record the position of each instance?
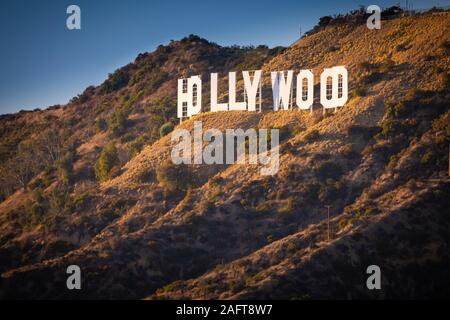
(42, 63)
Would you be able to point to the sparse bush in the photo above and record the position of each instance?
(387, 65)
(117, 122)
(243, 202)
(81, 200)
(270, 238)
(348, 151)
(395, 110)
(411, 184)
(207, 206)
(392, 162)
(65, 168)
(291, 247)
(174, 177)
(137, 145)
(127, 137)
(331, 190)
(116, 81)
(262, 207)
(284, 132)
(445, 45)
(38, 183)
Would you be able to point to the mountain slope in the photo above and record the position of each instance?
(236, 234)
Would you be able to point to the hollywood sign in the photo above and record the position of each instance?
(333, 91)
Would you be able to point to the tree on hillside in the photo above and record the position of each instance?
(117, 122)
(50, 145)
(65, 168)
(107, 160)
(162, 113)
(22, 168)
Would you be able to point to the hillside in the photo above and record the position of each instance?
(96, 197)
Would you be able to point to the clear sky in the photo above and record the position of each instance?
(42, 63)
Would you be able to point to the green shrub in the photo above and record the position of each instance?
(100, 125)
(165, 129)
(107, 160)
(392, 162)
